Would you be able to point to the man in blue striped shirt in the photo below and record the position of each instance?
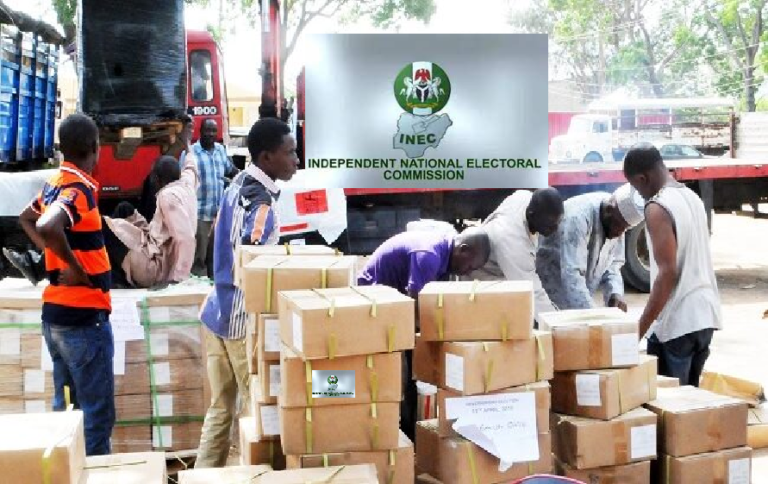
(247, 216)
(214, 167)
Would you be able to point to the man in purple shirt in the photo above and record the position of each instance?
(409, 261)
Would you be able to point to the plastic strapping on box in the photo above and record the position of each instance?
(324, 278)
(369, 361)
(667, 466)
(540, 356)
(331, 302)
(117, 464)
(372, 300)
(150, 362)
(287, 248)
(329, 478)
(308, 372)
(67, 398)
(332, 343)
(272, 453)
(621, 400)
(472, 465)
(46, 460)
(440, 318)
(268, 295)
(473, 291)
(325, 460)
(374, 386)
(620, 430)
(308, 429)
(375, 436)
(504, 329)
(391, 338)
(594, 346)
(391, 473)
(488, 375)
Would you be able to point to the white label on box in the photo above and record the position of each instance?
(643, 441)
(162, 373)
(298, 333)
(270, 420)
(124, 320)
(454, 372)
(625, 349)
(118, 360)
(46, 362)
(738, 471)
(35, 406)
(158, 344)
(588, 390)
(166, 432)
(10, 342)
(274, 380)
(164, 406)
(272, 335)
(34, 381)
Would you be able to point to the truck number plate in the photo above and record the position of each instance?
(204, 111)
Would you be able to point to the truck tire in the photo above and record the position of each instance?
(636, 270)
(593, 157)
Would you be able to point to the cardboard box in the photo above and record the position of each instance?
(475, 367)
(136, 468)
(268, 332)
(604, 394)
(131, 438)
(246, 253)
(476, 311)
(270, 378)
(757, 430)
(251, 345)
(463, 462)
(340, 428)
(177, 436)
(133, 407)
(731, 466)
(427, 447)
(696, 421)
(170, 376)
(11, 405)
(358, 474)
(255, 451)
(24, 439)
(587, 443)
(38, 384)
(748, 391)
(187, 403)
(265, 277)
(346, 322)
(266, 416)
(548, 320)
(586, 343)
(377, 378)
(667, 382)
(223, 474)
(11, 381)
(394, 466)
(635, 473)
(543, 406)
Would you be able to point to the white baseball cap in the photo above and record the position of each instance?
(630, 204)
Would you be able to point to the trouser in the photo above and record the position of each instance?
(228, 376)
(202, 238)
(116, 249)
(408, 406)
(682, 357)
(82, 360)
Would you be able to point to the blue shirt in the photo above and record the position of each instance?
(408, 261)
(247, 216)
(213, 166)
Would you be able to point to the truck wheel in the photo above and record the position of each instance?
(637, 269)
(593, 157)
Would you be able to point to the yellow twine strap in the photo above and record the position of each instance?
(67, 398)
(375, 436)
(331, 302)
(391, 476)
(287, 248)
(530, 468)
(369, 361)
(308, 429)
(472, 466)
(621, 400)
(325, 460)
(269, 289)
(392, 457)
(329, 478)
(308, 371)
(391, 338)
(541, 356)
(324, 278)
(374, 386)
(504, 329)
(332, 345)
(488, 375)
(372, 300)
(440, 318)
(668, 464)
(473, 292)
(272, 453)
(374, 411)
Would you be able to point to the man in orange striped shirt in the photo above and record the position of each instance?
(65, 222)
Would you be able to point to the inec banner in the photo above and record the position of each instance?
(427, 111)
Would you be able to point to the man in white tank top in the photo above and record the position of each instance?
(683, 309)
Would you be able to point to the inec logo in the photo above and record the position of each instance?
(333, 381)
(333, 384)
(422, 89)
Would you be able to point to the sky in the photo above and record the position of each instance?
(242, 50)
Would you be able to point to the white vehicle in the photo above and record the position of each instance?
(589, 140)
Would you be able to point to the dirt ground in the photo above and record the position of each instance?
(741, 263)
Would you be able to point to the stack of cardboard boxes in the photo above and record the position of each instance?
(477, 346)
(262, 277)
(601, 432)
(341, 366)
(703, 437)
(349, 474)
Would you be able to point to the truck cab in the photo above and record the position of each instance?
(207, 87)
(589, 140)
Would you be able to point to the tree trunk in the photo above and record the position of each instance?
(750, 88)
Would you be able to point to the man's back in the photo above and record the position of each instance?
(407, 259)
(212, 167)
(694, 303)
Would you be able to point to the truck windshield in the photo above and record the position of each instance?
(200, 74)
(580, 126)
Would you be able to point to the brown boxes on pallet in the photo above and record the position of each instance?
(267, 276)
(131, 438)
(268, 332)
(26, 437)
(266, 415)
(586, 443)
(349, 321)
(251, 343)
(476, 311)
(748, 391)
(377, 378)
(731, 466)
(240, 474)
(270, 378)
(340, 428)
(542, 396)
(11, 381)
(427, 447)
(357, 474)
(604, 394)
(592, 342)
(635, 473)
(667, 382)
(255, 450)
(177, 436)
(136, 468)
(463, 462)
(394, 466)
(548, 320)
(246, 253)
(757, 430)
(696, 421)
(476, 367)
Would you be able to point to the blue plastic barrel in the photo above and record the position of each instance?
(10, 51)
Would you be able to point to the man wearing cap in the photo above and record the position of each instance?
(587, 251)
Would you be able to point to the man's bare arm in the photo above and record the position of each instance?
(28, 219)
(662, 232)
(51, 227)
